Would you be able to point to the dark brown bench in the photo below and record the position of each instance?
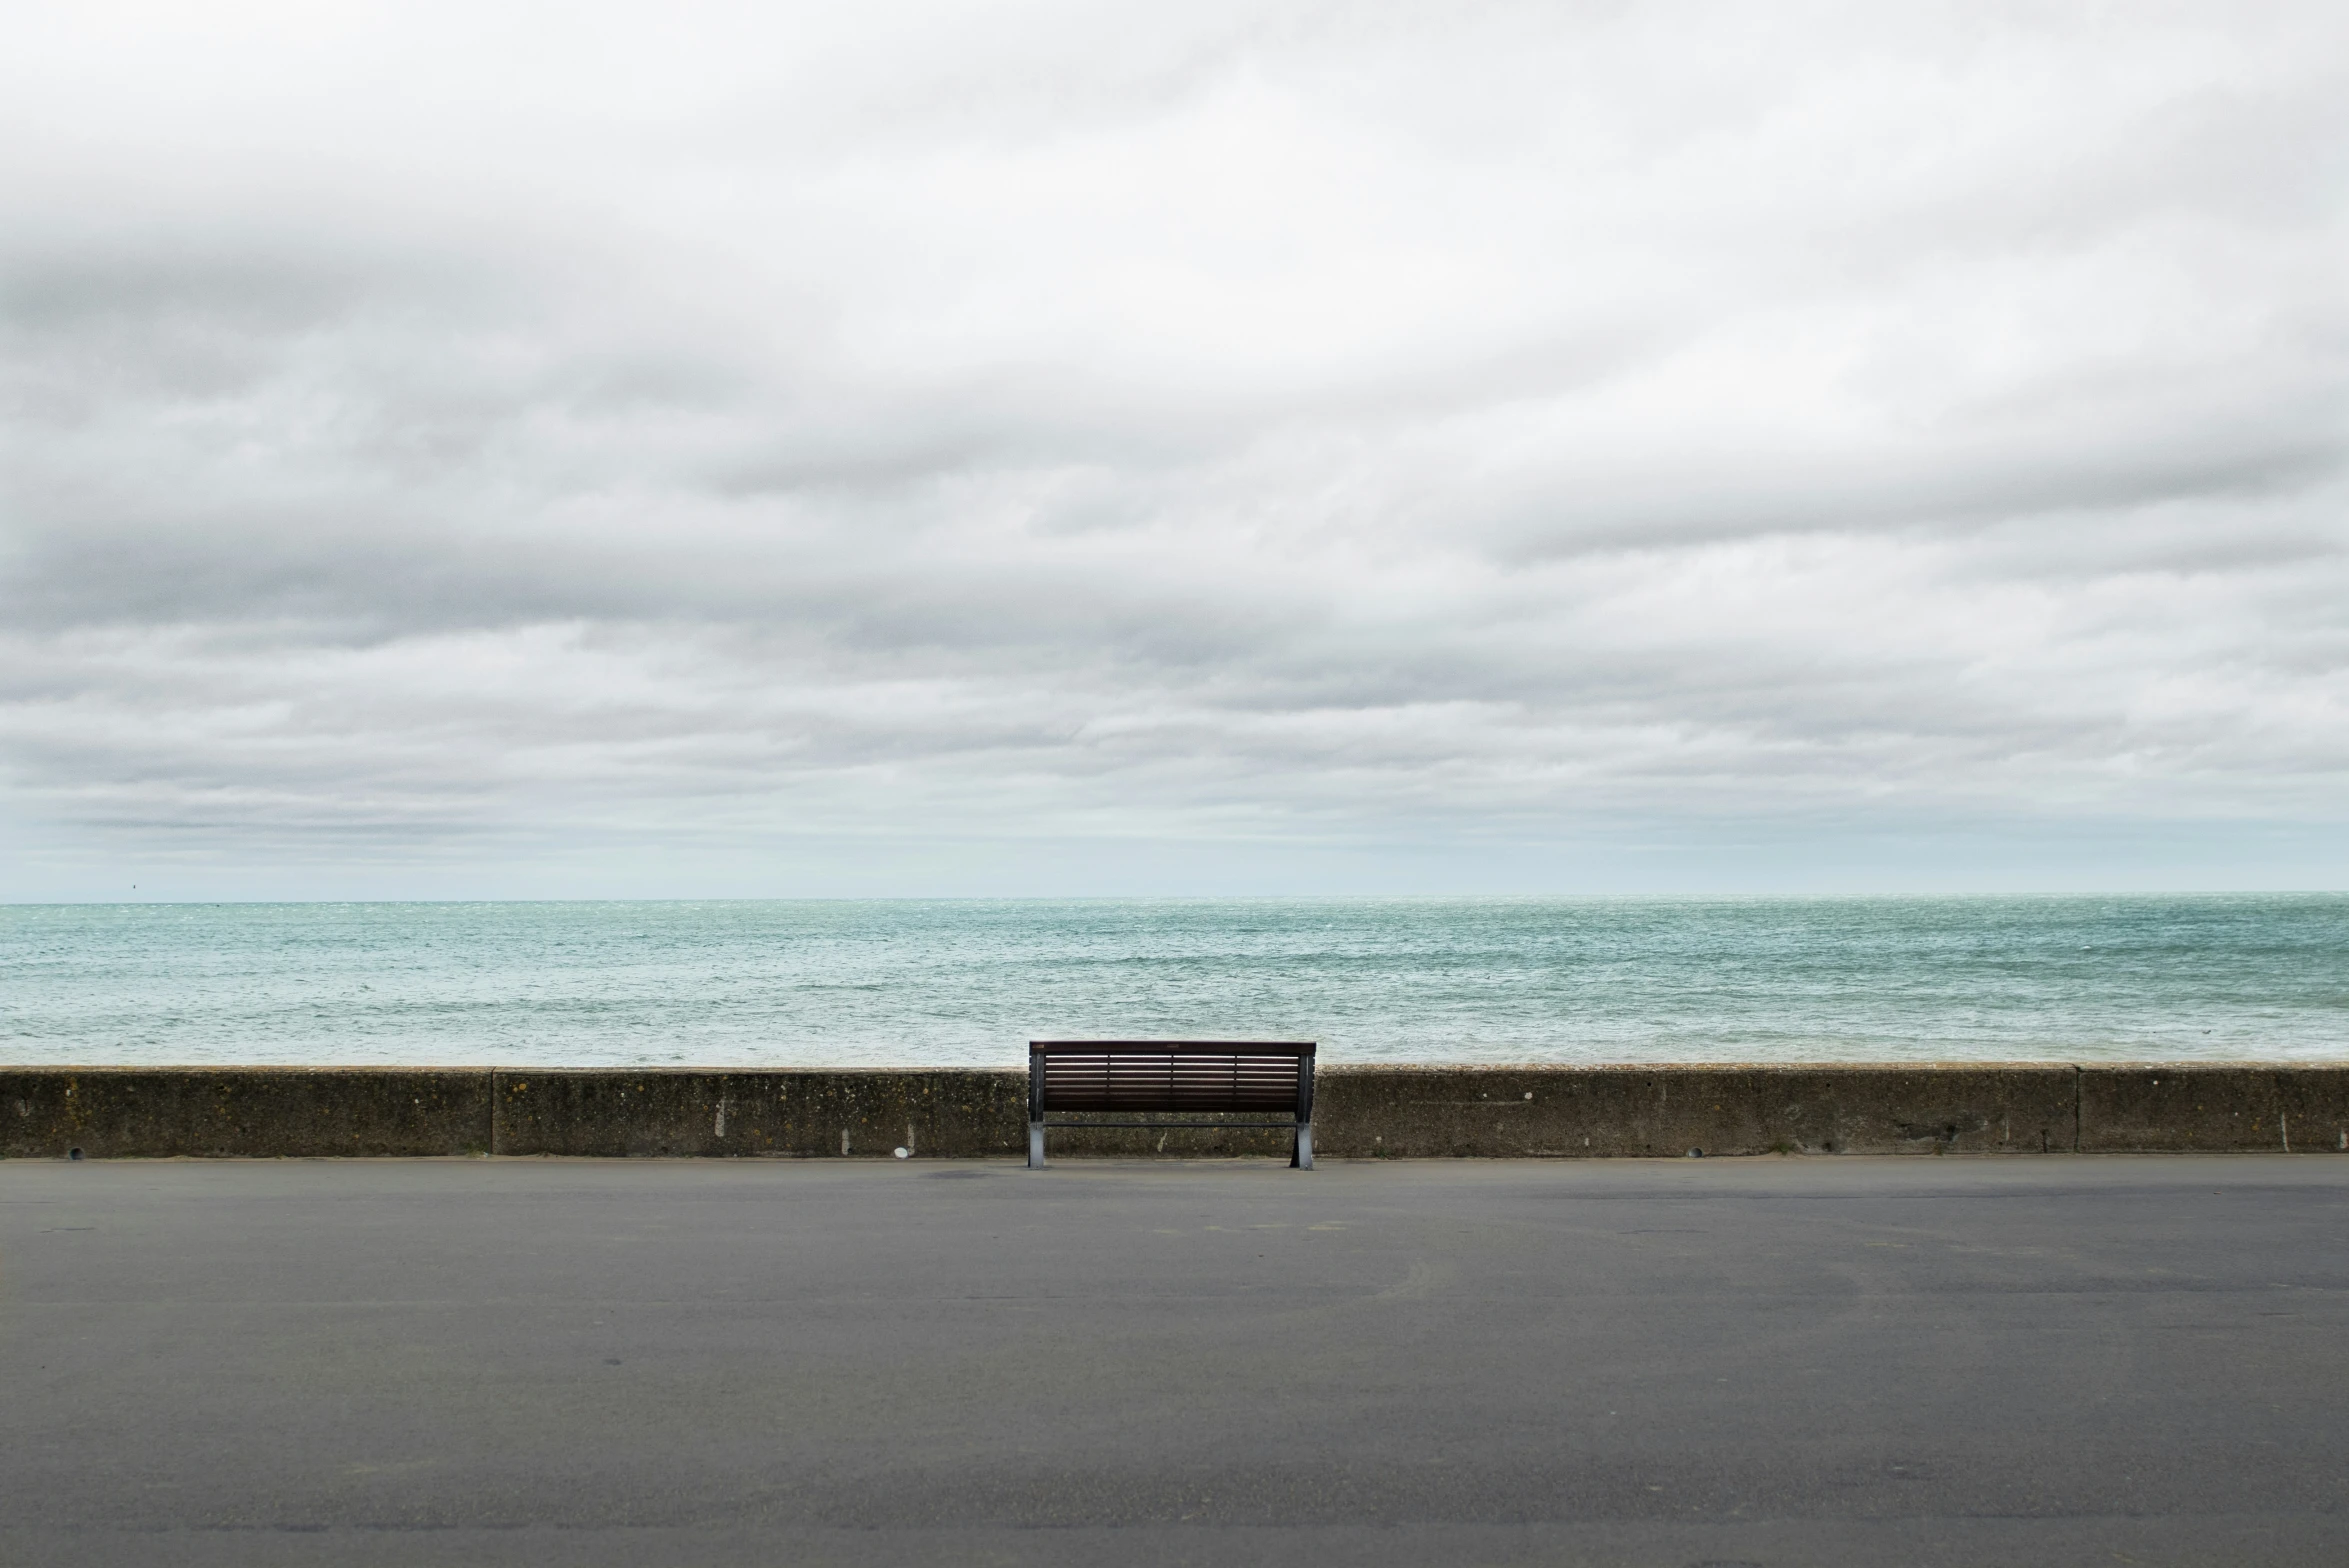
(1154, 1079)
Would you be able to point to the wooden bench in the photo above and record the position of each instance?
(1159, 1078)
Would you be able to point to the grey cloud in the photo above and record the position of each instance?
(1252, 423)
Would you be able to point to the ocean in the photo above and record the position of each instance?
(967, 983)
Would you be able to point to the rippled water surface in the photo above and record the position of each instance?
(846, 984)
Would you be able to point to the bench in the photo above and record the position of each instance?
(1157, 1078)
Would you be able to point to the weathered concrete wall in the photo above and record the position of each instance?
(242, 1111)
(1495, 1111)
(2296, 1109)
(607, 1112)
(1362, 1112)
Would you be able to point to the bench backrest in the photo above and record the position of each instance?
(1169, 1075)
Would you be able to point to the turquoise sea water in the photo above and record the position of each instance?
(967, 983)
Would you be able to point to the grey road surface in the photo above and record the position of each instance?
(1769, 1361)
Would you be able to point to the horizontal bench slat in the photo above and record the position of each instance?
(1155, 1126)
(1277, 1048)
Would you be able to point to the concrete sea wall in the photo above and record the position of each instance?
(1361, 1112)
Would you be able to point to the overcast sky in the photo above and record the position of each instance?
(475, 450)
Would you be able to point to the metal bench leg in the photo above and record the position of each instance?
(1302, 1158)
(1035, 1146)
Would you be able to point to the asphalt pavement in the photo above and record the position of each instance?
(1763, 1361)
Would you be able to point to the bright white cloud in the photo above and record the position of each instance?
(690, 440)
